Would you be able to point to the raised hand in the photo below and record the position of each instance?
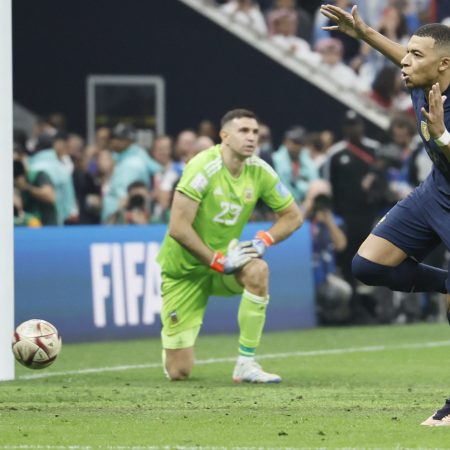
(348, 23)
(435, 114)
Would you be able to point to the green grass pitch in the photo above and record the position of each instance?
(358, 387)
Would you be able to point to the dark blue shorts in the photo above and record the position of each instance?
(418, 223)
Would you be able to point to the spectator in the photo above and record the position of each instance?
(284, 25)
(104, 169)
(331, 52)
(41, 199)
(370, 62)
(333, 294)
(21, 217)
(58, 121)
(351, 46)
(132, 163)
(45, 161)
(20, 142)
(184, 147)
(265, 146)
(247, 13)
(317, 149)
(136, 206)
(165, 180)
(304, 19)
(350, 169)
(87, 187)
(101, 142)
(397, 153)
(201, 143)
(60, 144)
(387, 90)
(207, 128)
(293, 163)
(40, 127)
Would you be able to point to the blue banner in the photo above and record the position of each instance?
(102, 283)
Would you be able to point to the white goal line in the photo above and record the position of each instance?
(331, 351)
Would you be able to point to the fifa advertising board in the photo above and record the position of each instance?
(101, 283)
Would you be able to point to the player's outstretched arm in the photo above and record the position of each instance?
(353, 25)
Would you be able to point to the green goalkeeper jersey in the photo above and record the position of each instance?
(225, 205)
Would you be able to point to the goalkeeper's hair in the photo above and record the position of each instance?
(237, 114)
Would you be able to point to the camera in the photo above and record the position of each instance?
(136, 201)
(321, 202)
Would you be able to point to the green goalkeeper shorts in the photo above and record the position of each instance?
(185, 298)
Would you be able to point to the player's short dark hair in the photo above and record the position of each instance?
(237, 114)
(439, 32)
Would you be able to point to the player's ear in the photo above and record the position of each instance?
(444, 64)
(223, 134)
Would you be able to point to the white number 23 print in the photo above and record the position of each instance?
(228, 209)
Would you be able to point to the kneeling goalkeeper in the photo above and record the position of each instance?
(201, 255)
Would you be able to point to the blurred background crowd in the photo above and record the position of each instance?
(296, 28)
(344, 182)
(344, 185)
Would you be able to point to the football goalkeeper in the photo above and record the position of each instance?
(201, 255)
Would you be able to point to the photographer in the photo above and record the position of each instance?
(333, 293)
(35, 194)
(136, 206)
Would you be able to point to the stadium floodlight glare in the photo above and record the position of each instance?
(6, 188)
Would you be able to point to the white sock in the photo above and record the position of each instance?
(245, 359)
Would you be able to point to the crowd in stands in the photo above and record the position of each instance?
(344, 186)
(297, 31)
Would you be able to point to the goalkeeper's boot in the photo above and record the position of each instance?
(441, 418)
(251, 372)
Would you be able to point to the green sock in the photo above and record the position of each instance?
(251, 318)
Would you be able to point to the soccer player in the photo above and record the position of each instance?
(391, 254)
(201, 255)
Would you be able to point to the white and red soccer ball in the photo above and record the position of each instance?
(36, 343)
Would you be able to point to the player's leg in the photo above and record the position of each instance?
(184, 302)
(253, 282)
(254, 277)
(178, 362)
(388, 257)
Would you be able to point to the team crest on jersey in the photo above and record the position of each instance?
(199, 183)
(248, 194)
(424, 130)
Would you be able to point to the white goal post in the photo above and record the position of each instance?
(6, 189)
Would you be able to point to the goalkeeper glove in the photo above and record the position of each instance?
(261, 241)
(238, 254)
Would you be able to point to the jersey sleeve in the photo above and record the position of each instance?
(194, 182)
(274, 193)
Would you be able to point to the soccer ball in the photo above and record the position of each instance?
(36, 344)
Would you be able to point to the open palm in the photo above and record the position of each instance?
(348, 23)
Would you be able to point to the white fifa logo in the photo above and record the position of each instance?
(116, 279)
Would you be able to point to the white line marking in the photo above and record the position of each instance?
(331, 351)
(168, 447)
(180, 447)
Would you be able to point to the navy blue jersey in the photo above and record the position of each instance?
(441, 165)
